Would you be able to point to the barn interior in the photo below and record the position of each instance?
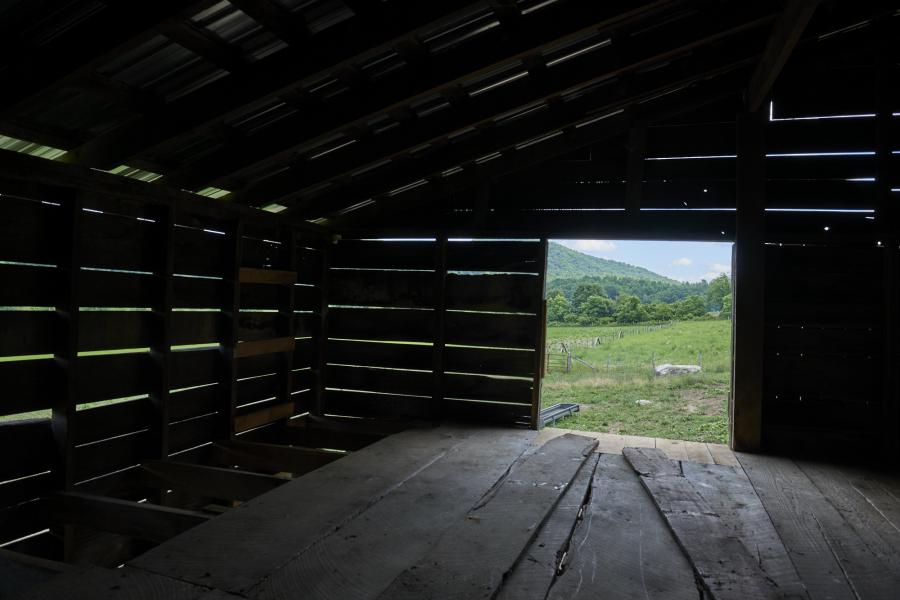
(272, 296)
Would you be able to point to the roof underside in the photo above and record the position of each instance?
(337, 110)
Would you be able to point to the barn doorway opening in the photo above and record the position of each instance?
(639, 338)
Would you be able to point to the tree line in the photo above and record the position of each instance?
(587, 302)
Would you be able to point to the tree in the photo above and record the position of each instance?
(557, 308)
(660, 312)
(585, 291)
(725, 313)
(596, 308)
(716, 292)
(690, 308)
(630, 310)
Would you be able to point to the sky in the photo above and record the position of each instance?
(683, 261)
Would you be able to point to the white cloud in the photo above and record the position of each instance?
(717, 269)
(591, 246)
(682, 262)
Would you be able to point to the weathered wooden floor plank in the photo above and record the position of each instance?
(96, 583)
(237, 550)
(728, 563)
(534, 573)
(365, 555)
(623, 549)
(471, 560)
(799, 514)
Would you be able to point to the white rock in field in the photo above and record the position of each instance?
(667, 369)
(643, 402)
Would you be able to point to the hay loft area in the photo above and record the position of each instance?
(273, 297)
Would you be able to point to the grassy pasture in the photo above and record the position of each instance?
(686, 407)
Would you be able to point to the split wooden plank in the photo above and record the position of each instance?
(623, 549)
(535, 572)
(362, 559)
(471, 559)
(96, 583)
(266, 532)
(715, 541)
(880, 490)
(795, 505)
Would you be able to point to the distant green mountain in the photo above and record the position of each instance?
(565, 263)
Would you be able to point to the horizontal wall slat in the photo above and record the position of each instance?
(192, 403)
(114, 242)
(113, 289)
(27, 332)
(196, 327)
(373, 354)
(29, 385)
(258, 388)
(487, 412)
(28, 286)
(364, 254)
(193, 292)
(112, 420)
(116, 376)
(515, 257)
(360, 404)
(27, 231)
(31, 443)
(194, 367)
(108, 330)
(505, 293)
(399, 289)
(198, 252)
(107, 456)
(493, 330)
(194, 432)
(379, 380)
(374, 324)
(261, 326)
(476, 387)
(489, 361)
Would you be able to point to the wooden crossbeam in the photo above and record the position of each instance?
(206, 481)
(444, 72)
(784, 37)
(271, 77)
(276, 18)
(260, 347)
(267, 276)
(273, 458)
(135, 519)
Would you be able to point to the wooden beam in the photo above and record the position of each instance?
(749, 293)
(785, 34)
(444, 74)
(134, 519)
(267, 276)
(259, 347)
(273, 458)
(206, 481)
(274, 76)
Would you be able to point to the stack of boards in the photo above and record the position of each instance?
(480, 513)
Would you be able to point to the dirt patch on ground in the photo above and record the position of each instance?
(703, 401)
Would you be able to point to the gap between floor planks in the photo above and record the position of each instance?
(609, 443)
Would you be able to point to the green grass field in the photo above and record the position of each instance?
(686, 407)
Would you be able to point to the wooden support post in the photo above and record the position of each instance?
(321, 340)
(887, 217)
(286, 309)
(637, 151)
(161, 346)
(440, 301)
(541, 325)
(749, 279)
(231, 316)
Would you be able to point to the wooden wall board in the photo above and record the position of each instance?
(194, 367)
(27, 332)
(493, 256)
(362, 559)
(375, 324)
(398, 289)
(114, 376)
(265, 532)
(110, 455)
(195, 292)
(116, 242)
(481, 387)
(28, 286)
(199, 252)
(103, 422)
(195, 431)
(30, 385)
(31, 442)
(373, 354)
(503, 293)
(623, 546)
(194, 402)
(488, 412)
(500, 527)
(362, 404)
(20, 222)
(387, 381)
(489, 361)
(491, 330)
(366, 254)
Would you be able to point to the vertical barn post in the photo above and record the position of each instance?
(321, 341)
(440, 300)
(749, 279)
(231, 310)
(540, 324)
(161, 346)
